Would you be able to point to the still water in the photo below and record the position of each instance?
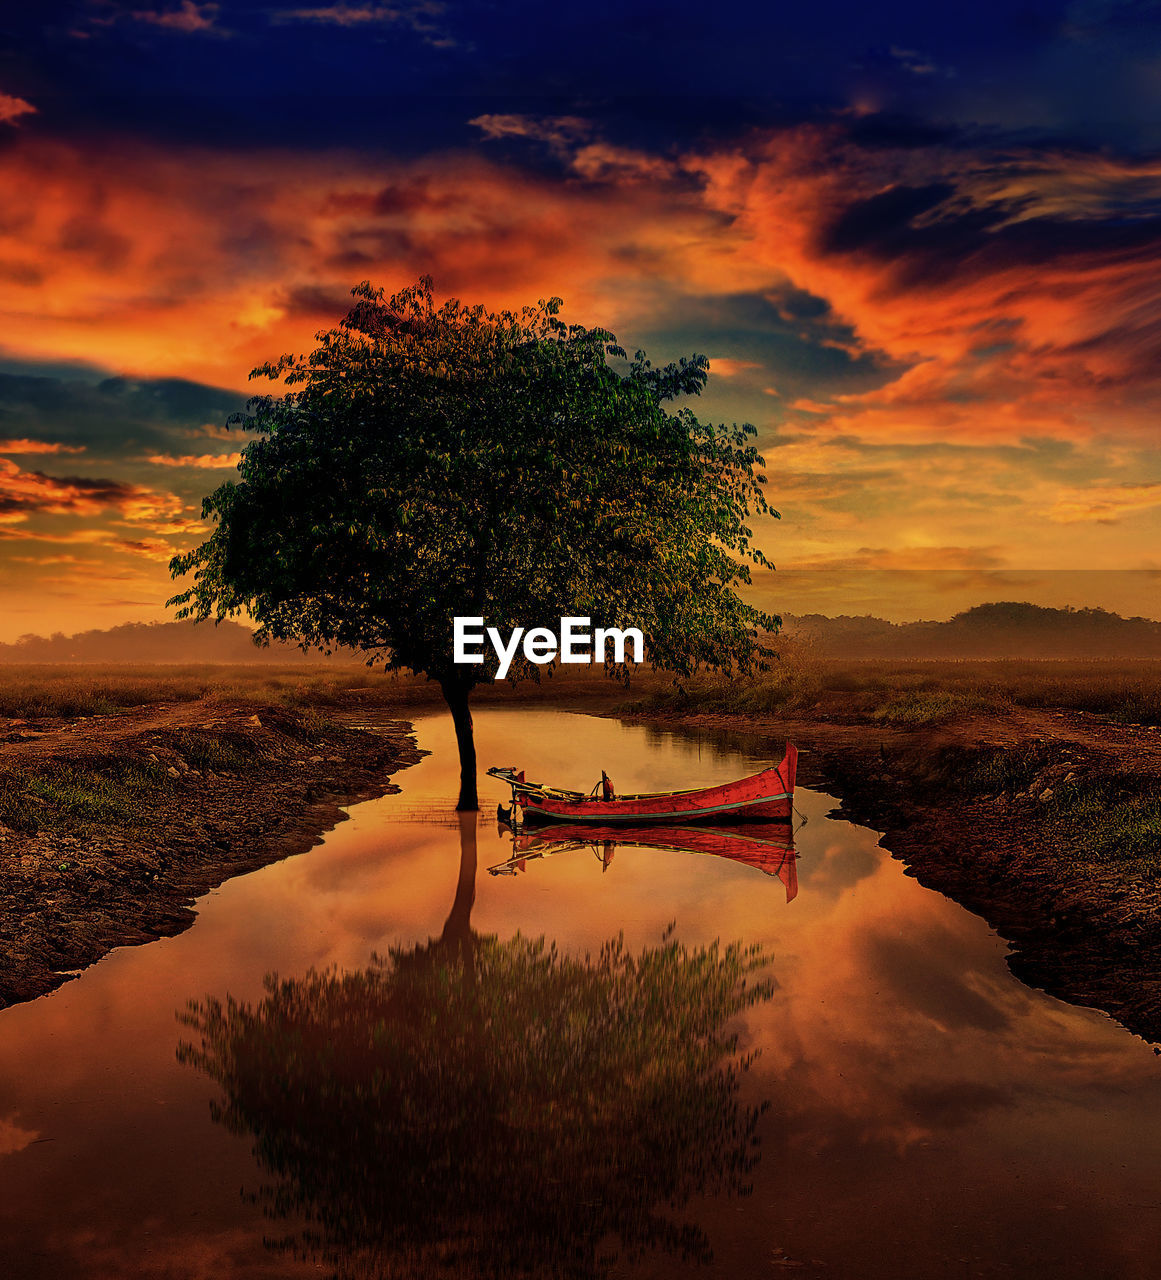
(912, 1111)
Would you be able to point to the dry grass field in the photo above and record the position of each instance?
(67, 691)
(922, 692)
(899, 692)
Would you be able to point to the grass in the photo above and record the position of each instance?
(68, 691)
(920, 693)
(992, 771)
(904, 693)
(214, 753)
(76, 799)
(933, 706)
(778, 690)
(1115, 819)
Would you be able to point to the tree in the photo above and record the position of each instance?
(427, 463)
(473, 1107)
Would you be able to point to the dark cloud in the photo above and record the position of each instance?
(24, 273)
(895, 132)
(90, 238)
(884, 222)
(950, 1104)
(65, 493)
(24, 493)
(112, 416)
(315, 301)
(931, 972)
(790, 333)
(415, 73)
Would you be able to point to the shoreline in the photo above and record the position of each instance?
(113, 826)
(1083, 928)
(1081, 925)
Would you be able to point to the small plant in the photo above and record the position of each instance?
(923, 706)
(1009, 770)
(71, 797)
(1117, 820)
(214, 753)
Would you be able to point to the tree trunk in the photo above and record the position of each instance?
(456, 696)
(457, 930)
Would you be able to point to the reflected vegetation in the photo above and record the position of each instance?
(768, 847)
(700, 741)
(487, 1108)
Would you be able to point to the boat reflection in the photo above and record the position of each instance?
(487, 1108)
(768, 847)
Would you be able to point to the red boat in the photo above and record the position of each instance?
(763, 797)
(768, 848)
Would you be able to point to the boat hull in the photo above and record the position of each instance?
(768, 848)
(763, 797)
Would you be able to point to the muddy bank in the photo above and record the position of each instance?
(111, 826)
(1046, 823)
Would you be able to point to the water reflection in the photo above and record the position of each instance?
(477, 1107)
(933, 1119)
(768, 847)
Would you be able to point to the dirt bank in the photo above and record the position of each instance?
(111, 826)
(1046, 823)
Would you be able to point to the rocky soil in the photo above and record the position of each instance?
(998, 812)
(112, 826)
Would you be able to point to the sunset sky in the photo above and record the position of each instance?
(920, 245)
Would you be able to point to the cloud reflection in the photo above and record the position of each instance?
(484, 1108)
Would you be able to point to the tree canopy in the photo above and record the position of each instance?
(426, 462)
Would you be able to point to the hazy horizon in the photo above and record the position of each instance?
(987, 630)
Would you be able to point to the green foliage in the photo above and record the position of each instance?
(496, 1111)
(77, 798)
(994, 770)
(214, 752)
(427, 462)
(1113, 819)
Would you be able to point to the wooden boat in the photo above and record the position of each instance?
(762, 797)
(768, 848)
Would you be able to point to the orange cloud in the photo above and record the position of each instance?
(48, 559)
(1104, 503)
(203, 265)
(991, 298)
(99, 539)
(188, 17)
(24, 493)
(38, 446)
(209, 461)
(560, 131)
(1010, 306)
(13, 108)
(723, 367)
(150, 548)
(13, 1136)
(910, 558)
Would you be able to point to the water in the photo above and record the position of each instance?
(926, 1115)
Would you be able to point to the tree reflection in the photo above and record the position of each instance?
(483, 1108)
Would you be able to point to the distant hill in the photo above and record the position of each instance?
(1004, 630)
(159, 642)
(1007, 629)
